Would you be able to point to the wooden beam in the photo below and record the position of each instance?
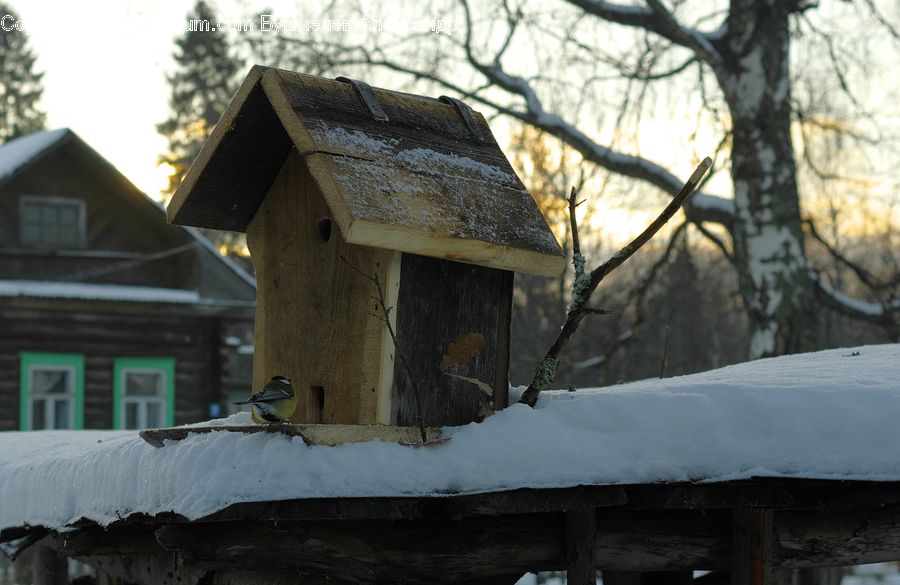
(448, 551)
(781, 494)
(581, 533)
(443, 541)
(165, 569)
(648, 578)
(753, 536)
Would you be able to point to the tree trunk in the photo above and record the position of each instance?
(768, 233)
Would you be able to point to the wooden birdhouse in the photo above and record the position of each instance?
(346, 192)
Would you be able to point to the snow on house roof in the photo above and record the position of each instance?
(97, 292)
(18, 152)
(826, 415)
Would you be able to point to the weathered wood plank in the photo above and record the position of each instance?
(808, 538)
(477, 298)
(581, 533)
(313, 434)
(299, 255)
(753, 542)
(456, 550)
(421, 552)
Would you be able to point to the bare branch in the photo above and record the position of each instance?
(625, 253)
(576, 244)
(689, 38)
(879, 314)
(656, 19)
(714, 239)
(585, 285)
(861, 273)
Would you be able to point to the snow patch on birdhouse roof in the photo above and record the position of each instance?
(424, 181)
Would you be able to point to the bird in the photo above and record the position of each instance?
(275, 402)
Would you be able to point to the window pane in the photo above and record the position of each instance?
(49, 223)
(31, 233)
(31, 213)
(49, 381)
(131, 415)
(49, 234)
(68, 215)
(143, 383)
(49, 214)
(60, 414)
(154, 415)
(37, 415)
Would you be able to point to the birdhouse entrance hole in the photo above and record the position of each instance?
(317, 402)
(324, 229)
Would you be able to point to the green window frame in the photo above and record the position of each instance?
(30, 362)
(164, 399)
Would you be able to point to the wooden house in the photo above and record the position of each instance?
(109, 317)
(346, 193)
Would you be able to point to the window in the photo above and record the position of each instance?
(51, 222)
(143, 393)
(51, 391)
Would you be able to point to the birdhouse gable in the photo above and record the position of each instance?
(398, 171)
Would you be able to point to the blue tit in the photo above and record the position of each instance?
(275, 402)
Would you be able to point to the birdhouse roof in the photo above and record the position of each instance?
(398, 171)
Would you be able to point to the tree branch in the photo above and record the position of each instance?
(861, 273)
(585, 285)
(687, 37)
(656, 19)
(879, 314)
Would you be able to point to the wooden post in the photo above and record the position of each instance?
(47, 567)
(752, 540)
(581, 532)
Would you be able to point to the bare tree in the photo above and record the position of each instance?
(731, 61)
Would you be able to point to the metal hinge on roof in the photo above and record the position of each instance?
(465, 113)
(365, 93)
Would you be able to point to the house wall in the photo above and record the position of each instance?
(102, 332)
(117, 226)
(122, 225)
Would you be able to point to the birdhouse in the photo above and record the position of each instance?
(365, 208)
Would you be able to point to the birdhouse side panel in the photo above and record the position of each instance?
(316, 321)
(453, 327)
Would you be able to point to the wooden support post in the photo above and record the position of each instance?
(47, 567)
(581, 532)
(753, 536)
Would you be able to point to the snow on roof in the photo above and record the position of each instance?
(830, 415)
(18, 152)
(99, 292)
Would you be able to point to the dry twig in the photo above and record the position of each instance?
(586, 283)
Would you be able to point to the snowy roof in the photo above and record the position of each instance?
(827, 415)
(429, 180)
(20, 151)
(96, 292)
